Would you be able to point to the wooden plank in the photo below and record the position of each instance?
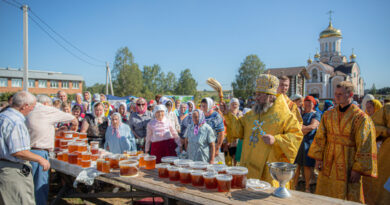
(149, 181)
(110, 195)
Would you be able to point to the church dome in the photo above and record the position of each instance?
(309, 61)
(330, 32)
(352, 56)
(317, 55)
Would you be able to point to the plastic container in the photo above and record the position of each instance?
(130, 153)
(169, 159)
(94, 150)
(72, 158)
(64, 143)
(65, 156)
(94, 144)
(163, 170)
(82, 147)
(210, 179)
(114, 161)
(79, 161)
(220, 168)
(173, 172)
(224, 182)
(57, 142)
(68, 134)
(72, 146)
(85, 163)
(123, 157)
(75, 134)
(59, 156)
(183, 163)
(86, 156)
(197, 178)
(141, 160)
(199, 165)
(83, 135)
(128, 168)
(94, 157)
(185, 175)
(239, 176)
(106, 168)
(150, 162)
(99, 164)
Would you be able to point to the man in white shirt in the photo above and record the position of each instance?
(40, 123)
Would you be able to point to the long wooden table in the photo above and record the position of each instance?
(148, 181)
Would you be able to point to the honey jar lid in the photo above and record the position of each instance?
(162, 165)
(199, 165)
(224, 177)
(210, 174)
(197, 172)
(173, 168)
(131, 163)
(185, 170)
(150, 158)
(169, 159)
(237, 170)
(182, 162)
(217, 167)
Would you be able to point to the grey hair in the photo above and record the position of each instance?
(23, 98)
(44, 99)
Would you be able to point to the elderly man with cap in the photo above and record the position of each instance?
(270, 132)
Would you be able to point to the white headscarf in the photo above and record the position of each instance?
(234, 100)
(160, 108)
(366, 98)
(295, 97)
(210, 103)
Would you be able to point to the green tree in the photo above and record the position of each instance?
(127, 77)
(245, 84)
(186, 84)
(170, 83)
(373, 89)
(96, 88)
(150, 76)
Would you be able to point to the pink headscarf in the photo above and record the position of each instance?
(138, 109)
(115, 131)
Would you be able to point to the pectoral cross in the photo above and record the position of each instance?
(256, 130)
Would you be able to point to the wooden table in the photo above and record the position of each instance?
(148, 181)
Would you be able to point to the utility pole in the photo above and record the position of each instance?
(108, 79)
(25, 47)
(107, 71)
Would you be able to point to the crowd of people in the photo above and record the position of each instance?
(346, 142)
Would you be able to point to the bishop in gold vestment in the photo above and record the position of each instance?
(345, 141)
(277, 121)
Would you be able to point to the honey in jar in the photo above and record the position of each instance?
(220, 168)
(224, 182)
(64, 143)
(128, 168)
(150, 162)
(82, 147)
(141, 160)
(73, 147)
(106, 167)
(59, 156)
(169, 159)
(122, 157)
(79, 161)
(65, 155)
(163, 170)
(239, 176)
(94, 157)
(185, 175)
(210, 180)
(131, 153)
(85, 163)
(86, 156)
(173, 173)
(83, 136)
(99, 164)
(197, 177)
(94, 150)
(72, 158)
(107, 157)
(114, 161)
(57, 142)
(75, 134)
(139, 152)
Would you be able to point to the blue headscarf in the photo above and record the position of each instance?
(328, 105)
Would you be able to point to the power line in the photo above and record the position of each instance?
(12, 4)
(66, 49)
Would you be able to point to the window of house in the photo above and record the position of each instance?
(3, 82)
(75, 85)
(65, 84)
(54, 84)
(16, 82)
(31, 83)
(42, 83)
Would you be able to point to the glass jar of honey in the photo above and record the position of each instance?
(106, 168)
(94, 150)
(183, 163)
(65, 155)
(83, 135)
(239, 176)
(94, 157)
(75, 134)
(141, 159)
(64, 143)
(86, 156)
(199, 165)
(220, 168)
(173, 172)
(210, 179)
(99, 165)
(197, 177)
(59, 156)
(224, 182)
(72, 158)
(85, 163)
(128, 168)
(163, 170)
(72, 146)
(82, 147)
(150, 162)
(185, 175)
(169, 159)
(57, 142)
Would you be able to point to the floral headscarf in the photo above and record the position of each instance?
(138, 109)
(193, 105)
(202, 120)
(115, 131)
(185, 112)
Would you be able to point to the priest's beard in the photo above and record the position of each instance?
(260, 108)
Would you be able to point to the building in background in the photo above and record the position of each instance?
(298, 77)
(40, 82)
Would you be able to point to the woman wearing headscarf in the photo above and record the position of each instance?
(107, 109)
(328, 104)
(171, 115)
(95, 125)
(184, 119)
(78, 101)
(161, 137)
(311, 120)
(372, 106)
(122, 109)
(138, 122)
(230, 148)
(366, 98)
(200, 139)
(118, 136)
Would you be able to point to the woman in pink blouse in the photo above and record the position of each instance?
(161, 136)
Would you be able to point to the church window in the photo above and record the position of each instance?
(334, 46)
(326, 47)
(321, 77)
(315, 75)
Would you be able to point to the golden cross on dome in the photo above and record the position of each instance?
(330, 12)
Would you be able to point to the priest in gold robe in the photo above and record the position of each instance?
(374, 189)
(344, 148)
(284, 85)
(270, 132)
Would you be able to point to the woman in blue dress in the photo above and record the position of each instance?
(311, 120)
(119, 137)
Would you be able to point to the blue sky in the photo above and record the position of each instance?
(210, 37)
